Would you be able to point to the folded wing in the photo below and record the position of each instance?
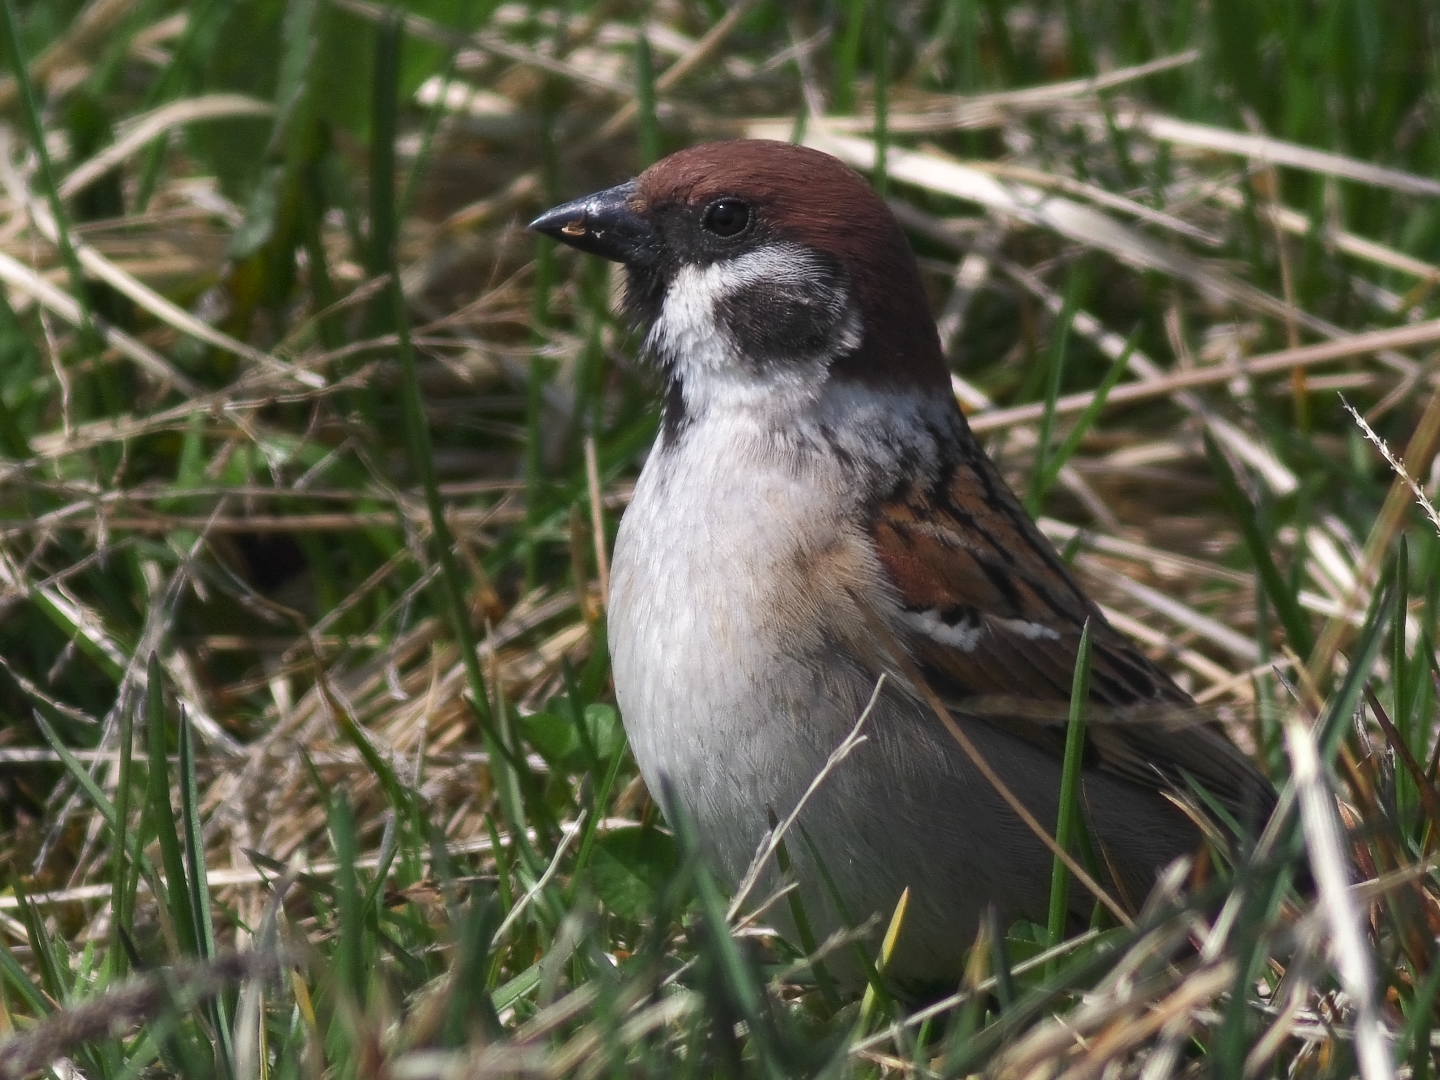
(992, 618)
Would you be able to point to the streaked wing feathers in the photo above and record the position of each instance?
(992, 618)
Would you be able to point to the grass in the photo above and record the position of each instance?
(311, 458)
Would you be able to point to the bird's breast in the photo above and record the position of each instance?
(718, 654)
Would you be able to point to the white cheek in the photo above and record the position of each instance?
(686, 334)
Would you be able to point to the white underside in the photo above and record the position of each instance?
(723, 572)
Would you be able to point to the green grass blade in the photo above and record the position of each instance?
(1071, 818)
(1055, 375)
(1049, 464)
(1258, 544)
(36, 129)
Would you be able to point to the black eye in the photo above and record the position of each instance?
(726, 217)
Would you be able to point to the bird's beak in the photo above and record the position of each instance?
(605, 223)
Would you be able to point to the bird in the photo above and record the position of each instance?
(818, 545)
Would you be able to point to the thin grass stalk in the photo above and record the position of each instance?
(1054, 379)
(648, 118)
(35, 128)
(1069, 822)
(199, 890)
(1056, 461)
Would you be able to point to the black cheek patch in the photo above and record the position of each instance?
(772, 323)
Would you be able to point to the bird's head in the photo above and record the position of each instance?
(761, 271)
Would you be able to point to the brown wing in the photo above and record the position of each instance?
(992, 618)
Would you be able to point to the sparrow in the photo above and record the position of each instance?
(816, 527)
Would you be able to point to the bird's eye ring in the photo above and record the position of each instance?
(726, 218)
